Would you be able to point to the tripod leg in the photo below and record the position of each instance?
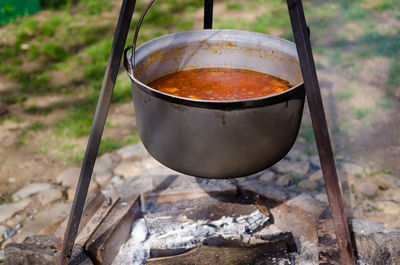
(99, 120)
(301, 35)
(208, 14)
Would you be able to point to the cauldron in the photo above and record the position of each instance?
(217, 139)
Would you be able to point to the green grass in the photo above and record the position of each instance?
(235, 6)
(344, 95)
(38, 110)
(307, 132)
(10, 117)
(362, 113)
(394, 73)
(36, 126)
(384, 103)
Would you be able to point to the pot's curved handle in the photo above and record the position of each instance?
(129, 64)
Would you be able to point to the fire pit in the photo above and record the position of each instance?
(306, 61)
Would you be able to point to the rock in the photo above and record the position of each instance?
(282, 181)
(44, 221)
(1, 255)
(300, 216)
(36, 250)
(30, 190)
(129, 169)
(9, 209)
(17, 219)
(308, 184)
(69, 177)
(349, 200)
(385, 181)
(286, 167)
(9, 233)
(388, 207)
(368, 206)
(368, 189)
(268, 176)
(133, 152)
(71, 191)
(182, 187)
(322, 197)
(352, 169)
(262, 188)
(150, 162)
(374, 243)
(317, 177)
(49, 196)
(314, 160)
(103, 164)
(12, 180)
(293, 155)
(103, 178)
(391, 195)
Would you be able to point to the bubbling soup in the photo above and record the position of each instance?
(220, 84)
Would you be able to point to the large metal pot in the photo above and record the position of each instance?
(217, 139)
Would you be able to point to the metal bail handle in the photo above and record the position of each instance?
(129, 64)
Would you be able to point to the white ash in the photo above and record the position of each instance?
(186, 234)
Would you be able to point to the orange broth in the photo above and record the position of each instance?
(220, 84)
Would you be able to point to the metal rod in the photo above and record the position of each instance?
(208, 14)
(307, 65)
(99, 120)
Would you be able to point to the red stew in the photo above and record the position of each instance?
(220, 84)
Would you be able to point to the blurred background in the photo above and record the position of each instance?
(53, 55)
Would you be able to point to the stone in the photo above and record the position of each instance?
(36, 250)
(297, 168)
(317, 177)
(150, 162)
(385, 181)
(308, 184)
(9, 209)
(299, 215)
(183, 187)
(351, 169)
(44, 221)
(17, 219)
(71, 191)
(282, 181)
(103, 178)
(349, 200)
(103, 164)
(12, 180)
(49, 196)
(391, 195)
(388, 207)
(129, 169)
(374, 243)
(368, 206)
(261, 188)
(268, 176)
(30, 190)
(133, 152)
(322, 197)
(368, 189)
(293, 155)
(69, 177)
(314, 160)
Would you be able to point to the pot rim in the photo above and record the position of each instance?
(218, 104)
